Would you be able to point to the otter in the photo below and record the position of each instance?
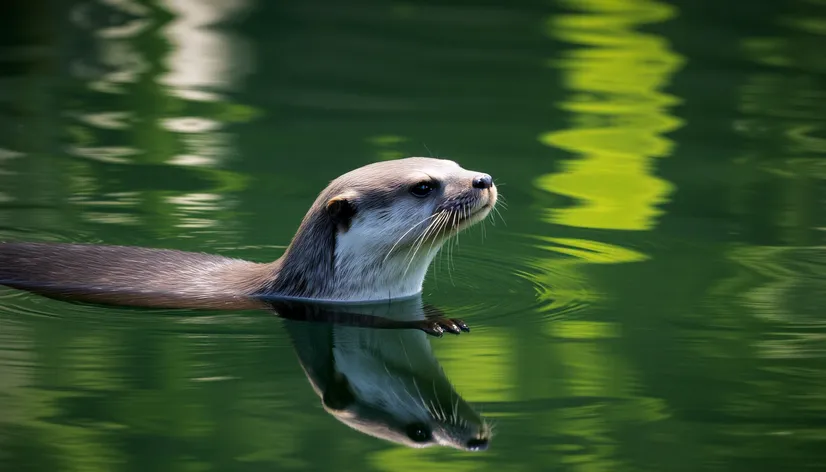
(370, 235)
(383, 383)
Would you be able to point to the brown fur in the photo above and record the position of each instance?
(170, 278)
(131, 275)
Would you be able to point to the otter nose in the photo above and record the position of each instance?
(477, 444)
(482, 181)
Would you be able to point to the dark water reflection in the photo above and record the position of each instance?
(652, 301)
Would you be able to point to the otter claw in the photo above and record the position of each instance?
(461, 324)
(450, 326)
(437, 327)
(432, 328)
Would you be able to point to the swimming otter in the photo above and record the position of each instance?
(384, 383)
(370, 235)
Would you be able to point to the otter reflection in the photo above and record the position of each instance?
(382, 382)
(372, 365)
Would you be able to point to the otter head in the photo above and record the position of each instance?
(396, 405)
(382, 224)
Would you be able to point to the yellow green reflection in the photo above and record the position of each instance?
(491, 378)
(388, 147)
(619, 117)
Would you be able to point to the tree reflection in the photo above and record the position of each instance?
(619, 115)
(149, 95)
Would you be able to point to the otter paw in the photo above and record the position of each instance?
(461, 324)
(437, 326)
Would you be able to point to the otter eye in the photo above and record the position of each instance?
(423, 188)
(419, 432)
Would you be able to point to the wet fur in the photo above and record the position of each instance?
(341, 251)
(129, 275)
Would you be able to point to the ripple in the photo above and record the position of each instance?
(17, 233)
(493, 284)
(252, 324)
(479, 281)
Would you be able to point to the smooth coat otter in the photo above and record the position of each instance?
(370, 235)
(384, 383)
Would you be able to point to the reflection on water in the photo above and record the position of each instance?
(155, 93)
(205, 61)
(384, 383)
(663, 164)
(614, 80)
(119, 383)
(776, 286)
(780, 272)
(620, 114)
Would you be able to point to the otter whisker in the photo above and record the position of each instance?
(443, 224)
(438, 264)
(417, 244)
(449, 249)
(431, 226)
(456, 409)
(501, 203)
(443, 416)
(437, 412)
(459, 218)
(412, 398)
(499, 214)
(441, 411)
(490, 426)
(421, 237)
(451, 260)
(415, 384)
(405, 234)
(396, 394)
(501, 199)
(430, 409)
(430, 249)
(428, 149)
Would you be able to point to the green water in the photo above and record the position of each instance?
(652, 302)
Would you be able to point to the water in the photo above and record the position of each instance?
(653, 300)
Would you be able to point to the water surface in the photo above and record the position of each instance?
(652, 300)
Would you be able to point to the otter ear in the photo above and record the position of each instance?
(341, 209)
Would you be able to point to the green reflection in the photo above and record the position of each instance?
(146, 98)
(592, 252)
(767, 308)
(679, 341)
(492, 378)
(388, 147)
(619, 115)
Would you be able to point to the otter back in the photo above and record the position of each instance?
(127, 275)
